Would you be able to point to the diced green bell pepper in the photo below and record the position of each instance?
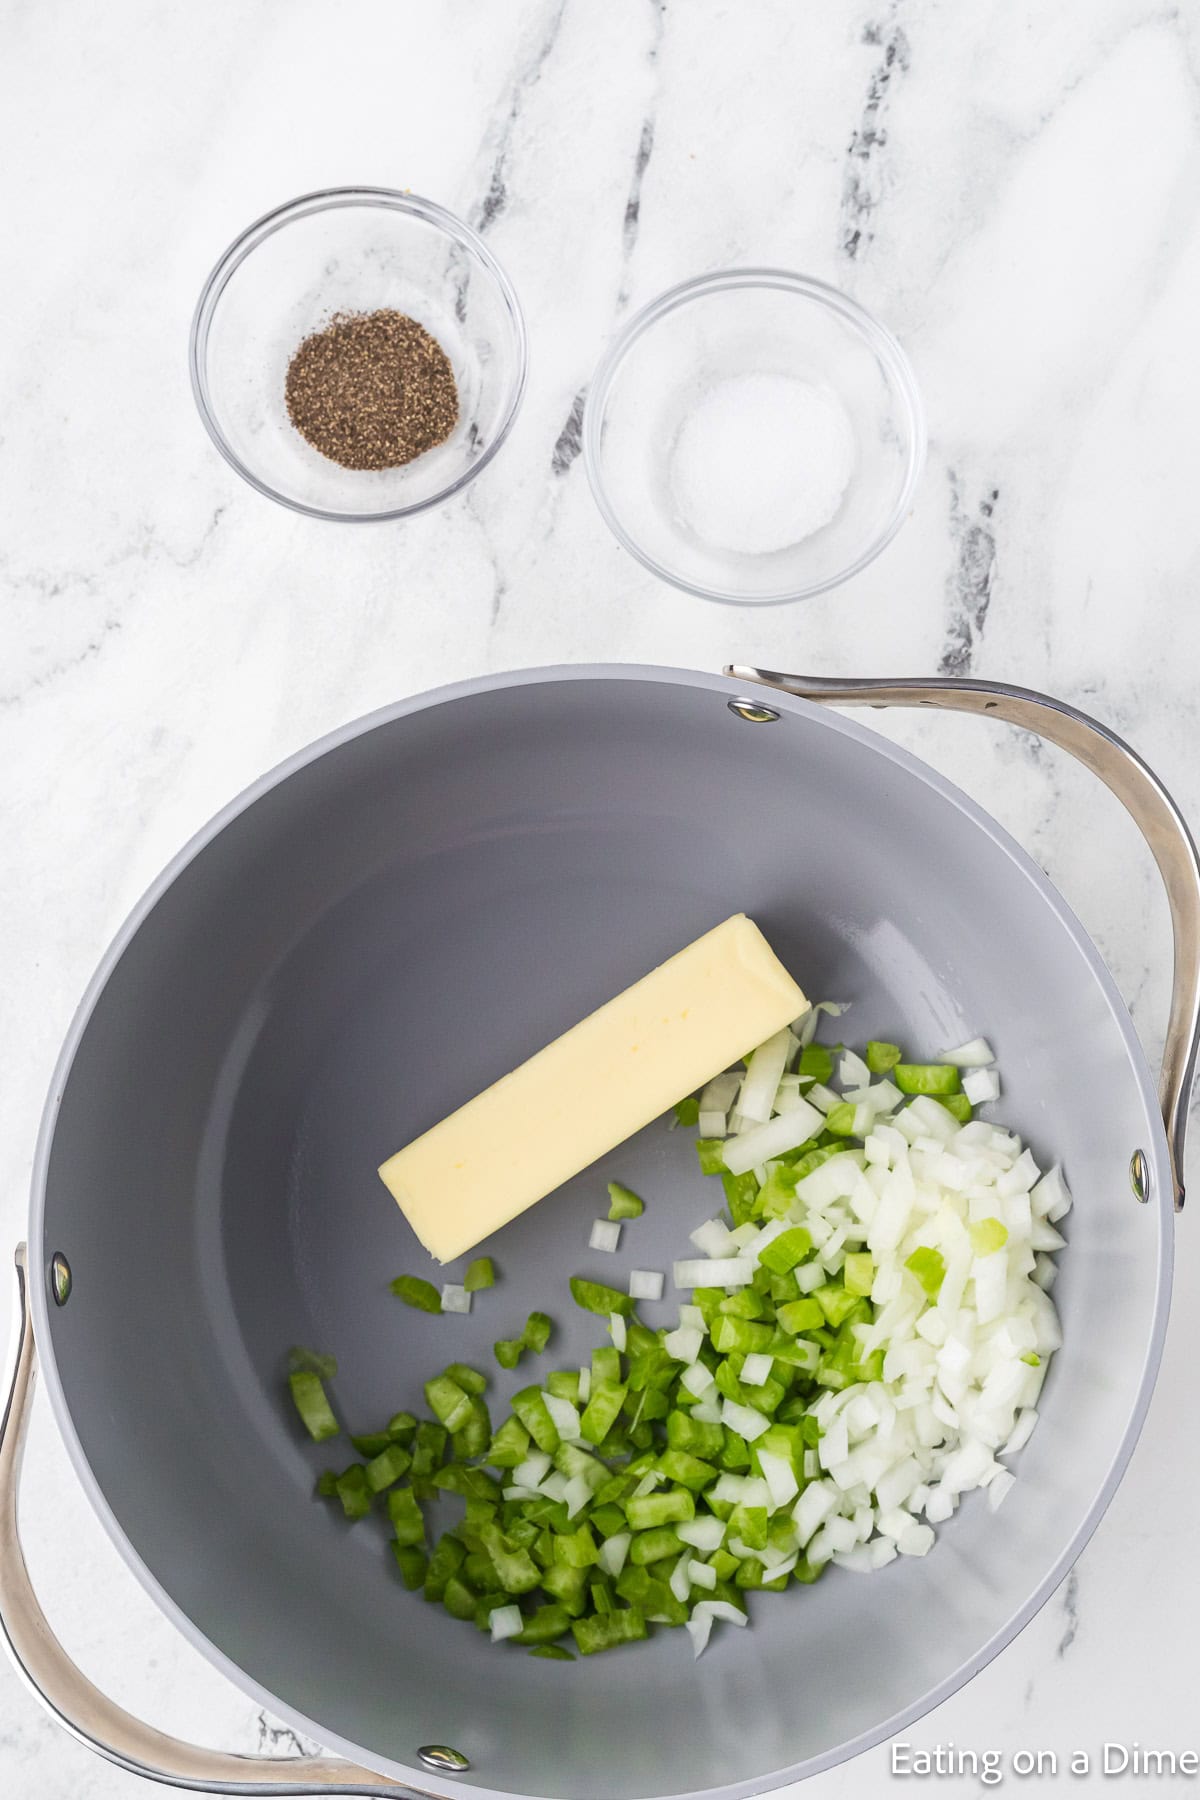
(645, 1511)
(926, 1078)
(510, 1445)
(412, 1564)
(623, 1203)
(354, 1492)
(600, 1414)
(605, 1631)
(929, 1267)
(414, 1290)
(384, 1470)
(408, 1521)
(312, 1404)
(448, 1557)
(858, 1273)
(543, 1625)
(595, 1297)
(530, 1408)
(449, 1404)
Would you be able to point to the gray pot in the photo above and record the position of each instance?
(371, 934)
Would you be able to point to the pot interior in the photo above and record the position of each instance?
(361, 948)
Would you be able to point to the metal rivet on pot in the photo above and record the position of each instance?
(60, 1278)
(752, 712)
(444, 1759)
(1139, 1176)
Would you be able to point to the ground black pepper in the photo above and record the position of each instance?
(372, 390)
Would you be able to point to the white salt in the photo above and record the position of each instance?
(762, 462)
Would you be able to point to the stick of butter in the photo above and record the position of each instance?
(593, 1087)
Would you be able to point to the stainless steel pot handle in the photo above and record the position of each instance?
(71, 1699)
(1139, 790)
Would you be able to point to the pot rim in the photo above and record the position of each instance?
(1155, 1149)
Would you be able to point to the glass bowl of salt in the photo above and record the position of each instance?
(754, 436)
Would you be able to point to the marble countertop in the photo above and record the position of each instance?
(1012, 187)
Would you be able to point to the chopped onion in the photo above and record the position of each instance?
(755, 1370)
(530, 1472)
(897, 1486)
(976, 1054)
(752, 1240)
(742, 1490)
(1051, 1197)
(779, 1477)
(706, 1533)
(616, 1329)
(990, 1274)
(698, 1378)
(455, 1299)
(646, 1284)
(684, 1345)
(859, 1562)
(713, 1238)
(506, 1622)
(779, 1135)
(841, 1535)
(834, 1447)
(722, 1609)
(606, 1234)
(981, 1085)
(805, 1027)
(1021, 1178)
(834, 1180)
(578, 1493)
(564, 1416)
(788, 1096)
(744, 1421)
(719, 1094)
(680, 1582)
(999, 1488)
(822, 1097)
(726, 1272)
(613, 1552)
(763, 1070)
(1021, 1432)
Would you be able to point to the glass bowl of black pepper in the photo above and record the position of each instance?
(358, 354)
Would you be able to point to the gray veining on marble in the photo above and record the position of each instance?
(969, 587)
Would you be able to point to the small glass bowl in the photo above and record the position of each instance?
(353, 250)
(723, 327)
